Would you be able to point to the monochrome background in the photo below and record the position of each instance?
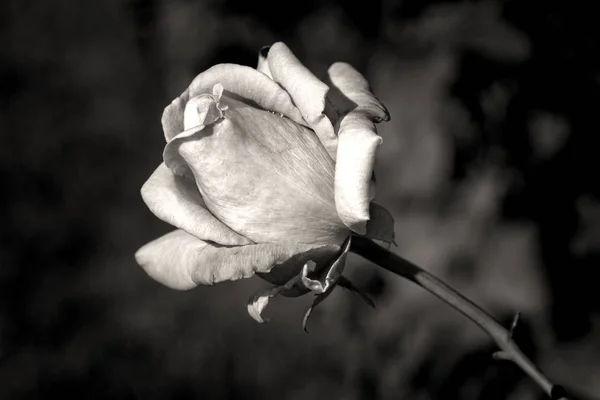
(488, 165)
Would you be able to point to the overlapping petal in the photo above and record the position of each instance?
(358, 143)
(308, 92)
(182, 261)
(265, 176)
(353, 93)
(177, 201)
(239, 81)
(200, 112)
(357, 147)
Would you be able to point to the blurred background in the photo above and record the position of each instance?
(487, 164)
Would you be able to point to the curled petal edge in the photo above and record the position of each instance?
(351, 92)
(241, 82)
(177, 201)
(357, 147)
(181, 261)
(307, 91)
(200, 112)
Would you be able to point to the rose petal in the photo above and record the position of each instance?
(266, 177)
(353, 93)
(238, 81)
(200, 112)
(172, 118)
(350, 92)
(204, 109)
(357, 147)
(307, 91)
(181, 261)
(381, 224)
(263, 64)
(177, 201)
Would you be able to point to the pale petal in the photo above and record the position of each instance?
(381, 224)
(181, 261)
(307, 91)
(351, 92)
(172, 118)
(266, 177)
(239, 81)
(177, 201)
(357, 147)
(204, 109)
(263, 64)
(358, 142)
(200, 112)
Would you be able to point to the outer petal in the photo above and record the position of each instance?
(177, 201)
(264, 176)
(351, 92)
(381, 224)
(307, 91)
(200, 112)
(172, 118)
(181, 261)
(357, 147)
(238, 81)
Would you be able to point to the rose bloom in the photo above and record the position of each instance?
(266, 171)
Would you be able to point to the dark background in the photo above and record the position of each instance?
(489, 166)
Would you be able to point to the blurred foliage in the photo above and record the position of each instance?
(487, 164)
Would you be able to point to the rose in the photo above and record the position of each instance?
(266, 171)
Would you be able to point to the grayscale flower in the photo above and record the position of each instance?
(266, 171)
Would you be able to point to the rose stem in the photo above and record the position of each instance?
(503, 338)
